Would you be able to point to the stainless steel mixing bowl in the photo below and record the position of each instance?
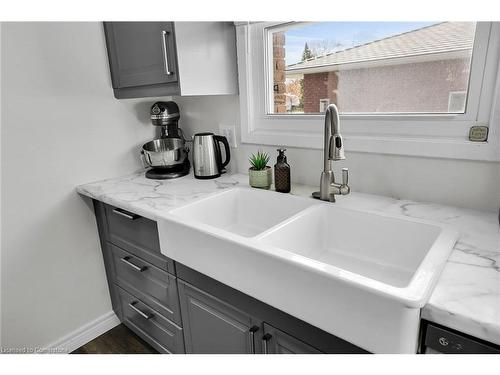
(164, 152)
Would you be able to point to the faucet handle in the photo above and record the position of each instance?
(345, 176)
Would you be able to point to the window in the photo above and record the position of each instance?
(456, 101)
(417, 96)
(370, 67)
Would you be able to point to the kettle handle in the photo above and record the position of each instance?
(223, 140)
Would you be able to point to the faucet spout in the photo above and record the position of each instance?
(333, 150)
(332, 118)
(335, 144)
(326, 139)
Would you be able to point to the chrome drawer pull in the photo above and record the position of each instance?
(132, 265)
(141, 313)
(165, 52)
(265, 340)
(126, 214)
(252, 331)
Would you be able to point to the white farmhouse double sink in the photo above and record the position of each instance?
(359, 275)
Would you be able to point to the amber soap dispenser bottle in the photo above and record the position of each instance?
(282, 173)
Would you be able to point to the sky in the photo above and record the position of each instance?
(332, 36)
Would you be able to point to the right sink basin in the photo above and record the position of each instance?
(378, 270)
(386, 249)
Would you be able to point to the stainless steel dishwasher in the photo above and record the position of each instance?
(437, 339)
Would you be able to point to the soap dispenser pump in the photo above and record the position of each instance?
(282, 173)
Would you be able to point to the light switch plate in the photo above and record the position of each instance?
(229, 132)
(478, 133)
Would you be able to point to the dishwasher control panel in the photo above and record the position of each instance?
(443, 340)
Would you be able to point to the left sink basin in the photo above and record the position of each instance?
(242, 211)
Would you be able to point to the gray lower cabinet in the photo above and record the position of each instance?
(275, 341)
(142, 282)
(212, 326)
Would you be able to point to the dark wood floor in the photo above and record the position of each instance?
(119, 340)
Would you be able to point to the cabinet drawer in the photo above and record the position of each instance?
(155, 287)
(448, 342)
(160, 332)
(137, 235)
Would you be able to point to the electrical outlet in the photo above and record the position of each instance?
(478, 133)
(229, 132)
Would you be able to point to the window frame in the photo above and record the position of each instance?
(431, 135)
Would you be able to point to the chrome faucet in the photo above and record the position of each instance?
(333, 151)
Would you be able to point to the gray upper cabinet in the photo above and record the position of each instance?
(275, 341)
(167, 58)
(141, 53)
(212, 326)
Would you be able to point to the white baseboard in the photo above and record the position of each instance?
(83, 335)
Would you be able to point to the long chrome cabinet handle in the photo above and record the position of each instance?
(128, 215)
(132, 265)
(252, 331)
(165, 52)
(141, 313)
(265, 340)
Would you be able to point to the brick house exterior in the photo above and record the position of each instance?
(318, 86)
(360, 90)
(279, 75)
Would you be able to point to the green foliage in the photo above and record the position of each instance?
(307, 53)
(259, 160)
(301, 97)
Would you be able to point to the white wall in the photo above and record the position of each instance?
(61, 127)
(462, 183)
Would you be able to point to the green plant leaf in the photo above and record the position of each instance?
(259, 161)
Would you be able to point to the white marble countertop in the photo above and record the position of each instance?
(467, 296)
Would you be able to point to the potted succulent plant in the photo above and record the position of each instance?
(260, 175)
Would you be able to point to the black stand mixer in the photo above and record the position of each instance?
(167, 156)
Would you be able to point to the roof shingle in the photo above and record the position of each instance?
(438, 38)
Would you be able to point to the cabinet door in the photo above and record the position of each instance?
(275, 341)
(212, 326)
(141, 53)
